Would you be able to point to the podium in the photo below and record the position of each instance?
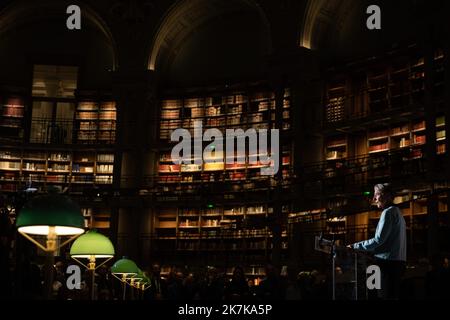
(351, 280)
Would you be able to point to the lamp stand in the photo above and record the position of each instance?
(49, 272)
(92, 270)
(49, 262)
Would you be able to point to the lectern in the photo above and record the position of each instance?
(329, 247)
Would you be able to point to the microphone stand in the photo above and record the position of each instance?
(333, 271)
(333, 253)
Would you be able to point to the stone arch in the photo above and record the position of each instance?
(22, 12)
(185, 15)
(338, 28)
(319, 17)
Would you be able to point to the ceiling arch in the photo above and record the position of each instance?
(322, 15)
(337, 29)
(25, 12)
(185, 16)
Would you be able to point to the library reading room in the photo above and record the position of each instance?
(224, 150)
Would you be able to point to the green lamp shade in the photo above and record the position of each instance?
(145, 283)
(90, 244)
(125, 266)
(139, 275)
(52, 210)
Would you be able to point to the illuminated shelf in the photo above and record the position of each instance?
(12, 113)
(95, 122)
(336, 148)
(62, 168)
(217, 227)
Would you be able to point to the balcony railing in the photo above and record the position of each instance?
(347, 112)
(52, 132)
(350, 107)
(362, 170)
(70, 132)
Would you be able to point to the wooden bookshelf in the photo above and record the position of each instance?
(336, 92)
(439, 75)
(378, 140)
(387, 141)
(240, 110)
(400, 136)
(68, 170)
(379, 153)
(440, 134)
(399, 84)
(95, 122)
(235, 227)
(336, 147)
(405, 135)
(211, 223)
(64, 168)
(417, 79)
(380, 85)
(97, 218)
(12, 113)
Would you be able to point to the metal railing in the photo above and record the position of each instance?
(62, 132)
(345, 109)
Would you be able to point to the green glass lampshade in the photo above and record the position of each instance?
(90, 244)
(139, 275)
(124, 266)
(139, 283)
(52, 210)
(144, 283)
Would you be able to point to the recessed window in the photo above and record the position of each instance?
(53, 103)
(54, 81)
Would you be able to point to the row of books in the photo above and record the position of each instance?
(12, 111)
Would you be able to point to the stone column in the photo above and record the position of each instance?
(289, 68)
(135, 156)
